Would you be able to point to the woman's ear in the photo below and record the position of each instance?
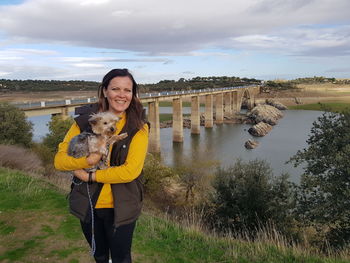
(104, 92)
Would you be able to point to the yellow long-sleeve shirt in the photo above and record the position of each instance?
(124, 173)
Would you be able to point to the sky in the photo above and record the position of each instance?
(162, 39)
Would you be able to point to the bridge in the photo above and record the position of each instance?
(226, 101)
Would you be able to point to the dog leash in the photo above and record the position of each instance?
(93, 243)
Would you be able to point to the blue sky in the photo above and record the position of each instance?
(158, 39)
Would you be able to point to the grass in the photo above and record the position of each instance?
(35, 226)
(333, 106)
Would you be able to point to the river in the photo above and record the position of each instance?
(225, 143)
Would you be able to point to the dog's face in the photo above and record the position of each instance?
(104, 123)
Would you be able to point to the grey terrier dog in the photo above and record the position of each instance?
(103, 126)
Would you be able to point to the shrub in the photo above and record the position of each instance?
(195, 177)
(247, 198)
(17, 157)
(161, 183)
(58, 128)
(14, 127)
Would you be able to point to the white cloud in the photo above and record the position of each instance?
(155, 26)
(4, 74)
(88, 65)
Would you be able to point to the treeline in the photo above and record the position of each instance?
(163, 85)
(292, 84)
(198, 83)
(7, 85)
(315, 80)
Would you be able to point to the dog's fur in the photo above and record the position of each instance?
(103, 125)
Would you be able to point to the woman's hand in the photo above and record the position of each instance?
(84, 176)
(93, 158)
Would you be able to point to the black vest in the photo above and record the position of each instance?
(127, 197)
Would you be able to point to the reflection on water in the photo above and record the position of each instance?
(225, 142)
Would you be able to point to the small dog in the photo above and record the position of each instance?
(103, 128)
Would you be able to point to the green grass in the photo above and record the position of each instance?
(333, 106)
(35, 226)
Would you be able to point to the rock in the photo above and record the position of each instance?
(251, 144)
(260, 129)
(166, 124)
(265, 113)
(276, 104)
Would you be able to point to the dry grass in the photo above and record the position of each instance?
(19, 158)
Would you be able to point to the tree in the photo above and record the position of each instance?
(248, 197)
(324, 201)
(14, 126)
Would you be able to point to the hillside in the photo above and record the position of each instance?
(7, 85)
(36, 227)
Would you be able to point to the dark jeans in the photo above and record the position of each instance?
(109, 239)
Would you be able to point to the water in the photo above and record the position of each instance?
(225, 143)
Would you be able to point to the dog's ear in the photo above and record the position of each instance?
(94, 119)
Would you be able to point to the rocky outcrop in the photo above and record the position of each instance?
(251, 144)
(276, 104)
(265, 113)
(260, 129)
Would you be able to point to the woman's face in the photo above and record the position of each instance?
(119, 94)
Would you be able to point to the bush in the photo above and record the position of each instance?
(19, 158)
(195, 177)
(58, 128)
(248, 198)
(162, 185)
(14, 127)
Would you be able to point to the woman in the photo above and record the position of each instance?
(114, 193)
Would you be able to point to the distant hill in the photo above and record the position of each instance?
(181, 84)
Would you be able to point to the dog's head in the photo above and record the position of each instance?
(104, 123)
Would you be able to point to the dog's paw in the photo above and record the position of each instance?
(123, 135)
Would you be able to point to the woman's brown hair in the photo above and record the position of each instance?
(134, 113)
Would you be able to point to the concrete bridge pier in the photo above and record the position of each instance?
(195, 115)
(154, 135)
(236, 108)
(177, 120)
(65, 113)
(219, 108)
(228, 104)
(208, 111)
(251, 100)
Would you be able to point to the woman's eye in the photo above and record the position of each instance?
(105, 123)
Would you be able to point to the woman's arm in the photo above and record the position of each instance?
(133, 165)
(64, 162)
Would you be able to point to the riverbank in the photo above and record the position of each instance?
(310, 94)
